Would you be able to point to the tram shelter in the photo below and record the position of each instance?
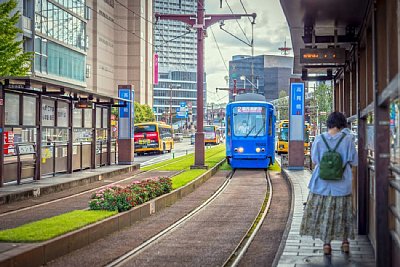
(51, 127)
(355, 45)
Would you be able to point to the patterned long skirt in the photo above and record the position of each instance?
(328, 218)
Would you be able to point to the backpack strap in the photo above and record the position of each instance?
(326, 143)
(340, 140)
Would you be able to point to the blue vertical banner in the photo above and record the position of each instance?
(126, 113)
(297, 98)
(296, 118)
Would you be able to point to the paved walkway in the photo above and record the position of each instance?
(304, 251)
(29, 188)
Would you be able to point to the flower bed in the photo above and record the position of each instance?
(118, 198)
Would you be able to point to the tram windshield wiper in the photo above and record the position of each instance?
(259, 131)
(250, 131)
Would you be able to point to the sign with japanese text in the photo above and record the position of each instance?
(297, 100)
(296, 119)
(249, 109)
(126, 113)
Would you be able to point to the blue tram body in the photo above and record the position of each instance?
(250, 132)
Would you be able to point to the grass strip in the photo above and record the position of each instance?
(55, 226)
(184, 162)
(275, 167)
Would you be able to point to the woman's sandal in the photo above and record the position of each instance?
(345, 247)
(327, 249)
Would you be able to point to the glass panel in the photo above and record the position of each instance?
(12, 109)
(98, 117)
(14, 136)
(77, 118)
(82, 135)
(88, 118)
(105, 118)
(29, 117)
(48, 112)
(249, 121)
(62, 114)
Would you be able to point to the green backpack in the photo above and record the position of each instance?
(331, 165)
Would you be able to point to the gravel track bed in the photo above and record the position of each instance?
(74, 203)
(264, 247)
(107, 249)
(208, 238)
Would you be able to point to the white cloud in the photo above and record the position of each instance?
(270, 31)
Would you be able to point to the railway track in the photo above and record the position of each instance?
(236, 251)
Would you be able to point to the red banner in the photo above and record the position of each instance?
(155, 69)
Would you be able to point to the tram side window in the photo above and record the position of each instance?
(229, 125)
(270, 124)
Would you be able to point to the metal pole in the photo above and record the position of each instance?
(170, 104)
(199, 156)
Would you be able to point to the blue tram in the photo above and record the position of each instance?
(250, 132)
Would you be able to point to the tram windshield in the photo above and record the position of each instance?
(249, 121)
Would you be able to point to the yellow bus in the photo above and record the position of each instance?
(282, 145)
(212, 134)
(153, 137)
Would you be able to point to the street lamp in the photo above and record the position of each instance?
(244, 79)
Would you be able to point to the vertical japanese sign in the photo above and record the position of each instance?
(126, 114)
(155, 69)
(296, 120)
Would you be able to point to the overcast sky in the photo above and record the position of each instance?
(270, 32)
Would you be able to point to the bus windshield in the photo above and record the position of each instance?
(249, 121)
(208, 129)
(283, 135)
(145, 128)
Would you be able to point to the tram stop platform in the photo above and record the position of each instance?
(31, 188)
(305, 251)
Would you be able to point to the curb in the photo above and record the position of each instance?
(35, 192)
(285, 234)
(38, 254)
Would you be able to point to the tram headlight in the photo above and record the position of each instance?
(239, 149)
(258, 150)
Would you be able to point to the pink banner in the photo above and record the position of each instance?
(155, 69)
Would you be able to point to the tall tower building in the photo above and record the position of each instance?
(176, 47)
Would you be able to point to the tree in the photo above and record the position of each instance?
(283, 106)
(13, 61)
(323, 98)
(143, 113)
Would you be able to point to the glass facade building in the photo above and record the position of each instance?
(265, 74)
(177, 57)
(59, 38)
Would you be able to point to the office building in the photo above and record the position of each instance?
(176, 48)
(80, 55)
(265, 74)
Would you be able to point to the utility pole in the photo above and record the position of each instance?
(201, 22)
(170, 105)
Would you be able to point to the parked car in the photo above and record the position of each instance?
(192, 139)
(178, 137)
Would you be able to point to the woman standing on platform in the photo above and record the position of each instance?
(328, 211)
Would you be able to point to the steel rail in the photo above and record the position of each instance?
(129, 255)
(244, 244)
(86, 191)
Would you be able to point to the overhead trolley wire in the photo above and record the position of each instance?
(237, 21)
